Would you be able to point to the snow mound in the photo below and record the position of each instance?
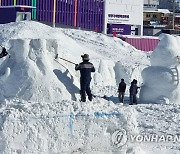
(41, 78)
(58, 128)
(40, 109)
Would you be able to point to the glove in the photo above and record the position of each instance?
(76, 65)
(4, 52)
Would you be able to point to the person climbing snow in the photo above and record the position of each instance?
(85, 69)
(3, 53)
(121, 91)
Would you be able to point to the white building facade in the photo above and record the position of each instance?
(124, 17)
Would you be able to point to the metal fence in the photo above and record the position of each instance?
(87, 14)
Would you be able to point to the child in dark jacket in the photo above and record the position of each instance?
(121, 90)
(133, 92)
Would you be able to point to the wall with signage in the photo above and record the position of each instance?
(86, 14)
(108, 16)
(119, 13)
(14, 13)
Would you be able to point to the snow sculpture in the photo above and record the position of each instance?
(161, 79)
(31, 73)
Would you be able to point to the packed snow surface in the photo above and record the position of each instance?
(40, 108)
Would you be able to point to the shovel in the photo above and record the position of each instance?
(56, 57)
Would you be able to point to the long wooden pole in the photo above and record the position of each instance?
(54, 14)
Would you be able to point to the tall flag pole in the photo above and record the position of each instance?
(14, 2)
(75, 13)
(34, 3)
(54, 14)
(173, 15)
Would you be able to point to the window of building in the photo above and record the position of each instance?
(148, 15)
(154, 16)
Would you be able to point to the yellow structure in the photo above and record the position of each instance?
(155, 15)
(152, 15)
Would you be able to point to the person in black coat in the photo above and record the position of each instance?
(85, 69)
(121, 90)
(133, 92)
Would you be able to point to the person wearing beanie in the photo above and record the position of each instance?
(85, 69)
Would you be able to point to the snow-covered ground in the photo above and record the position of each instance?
(40, 111)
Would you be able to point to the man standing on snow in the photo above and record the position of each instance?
(121, 90)
(85, 69)
(3, 53)
(133, 92)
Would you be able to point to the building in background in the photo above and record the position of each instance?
(151, 4)
(168, 4)
(160, 12)
(84, 14)
(108, 16)
(178, 6)
(15, 13)
(155, 16)
(155, 20)
(150, 12)
(124, 17)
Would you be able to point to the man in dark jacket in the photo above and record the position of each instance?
(133, 92)
(121, 90)
(3, 53)
(85, 69)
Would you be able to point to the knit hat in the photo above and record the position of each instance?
(85, 57)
